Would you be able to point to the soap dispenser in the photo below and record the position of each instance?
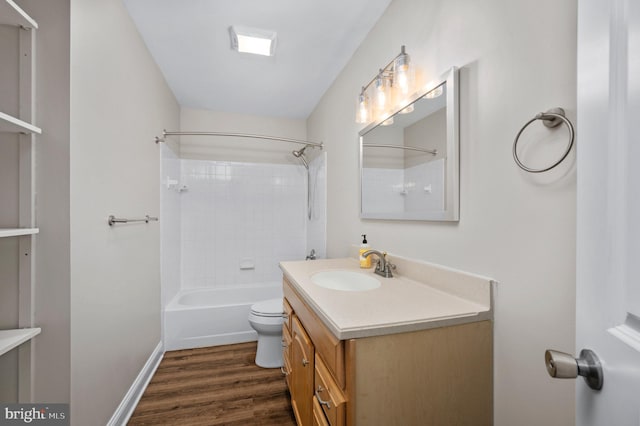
(365, 262)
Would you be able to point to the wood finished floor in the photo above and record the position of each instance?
(219, 385)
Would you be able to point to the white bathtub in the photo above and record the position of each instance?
(214, 316)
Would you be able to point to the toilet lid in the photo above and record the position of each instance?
(268, 308)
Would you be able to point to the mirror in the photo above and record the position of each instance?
(409, 168)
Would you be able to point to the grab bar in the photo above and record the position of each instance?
(113, 220)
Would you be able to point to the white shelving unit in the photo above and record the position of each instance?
(10, 339)
(9, 124)
(11, 14)
(17, 232)
(22, 125)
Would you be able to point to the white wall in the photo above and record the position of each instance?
(239, 149)
(516, 59)
(119, 102)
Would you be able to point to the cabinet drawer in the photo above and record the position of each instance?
(318, 415)
(286, 323)
(330, 348)
(329, 395)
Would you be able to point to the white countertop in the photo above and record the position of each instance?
(400, 304)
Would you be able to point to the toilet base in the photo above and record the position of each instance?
(269, 353)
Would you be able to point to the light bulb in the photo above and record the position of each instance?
(382, 93)
(406, 110)
(362, 112)
(403, 73)
(434, 93)
(387, 122)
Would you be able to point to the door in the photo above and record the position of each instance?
(608, 200)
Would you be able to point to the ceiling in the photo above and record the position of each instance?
(189, 39)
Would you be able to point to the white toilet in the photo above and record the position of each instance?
(266, 319)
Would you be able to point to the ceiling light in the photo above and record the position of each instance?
(253, 40)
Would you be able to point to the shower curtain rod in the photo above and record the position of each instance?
(410, 148)
(239, 135)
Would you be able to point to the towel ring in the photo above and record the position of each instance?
(551, 118)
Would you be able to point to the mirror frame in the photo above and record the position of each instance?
(451, 212)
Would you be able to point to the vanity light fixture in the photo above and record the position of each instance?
(434, 93)
(390, 87)
(253, 40)
(406, 110)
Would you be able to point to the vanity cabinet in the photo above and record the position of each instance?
(439, 376)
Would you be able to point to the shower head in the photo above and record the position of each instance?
(300, 154)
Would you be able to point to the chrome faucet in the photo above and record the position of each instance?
(383, 267)
(311, 255)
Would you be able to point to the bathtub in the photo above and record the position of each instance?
(214, 316)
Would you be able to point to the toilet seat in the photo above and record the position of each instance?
(268, 308)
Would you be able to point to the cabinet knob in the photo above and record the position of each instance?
(284, 372)
(304, 362)
(320, 400)
(561, 365)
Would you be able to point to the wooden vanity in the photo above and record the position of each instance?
(436, 373)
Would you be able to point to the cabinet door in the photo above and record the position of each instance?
(318, 415)
(286, 355)
(302, 374)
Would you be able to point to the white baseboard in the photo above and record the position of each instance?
(130, 401)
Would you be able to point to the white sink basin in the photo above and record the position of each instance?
(345, 280)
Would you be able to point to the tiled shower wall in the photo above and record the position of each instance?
(239, 220)
(424, 184)
(382, 190)
(317, 226)
(170, 247)
(417, 188)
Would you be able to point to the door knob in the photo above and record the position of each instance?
(561, 365)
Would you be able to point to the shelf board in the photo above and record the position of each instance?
(9, 124)
(12, 14)
(16, 232)
(10, 339)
